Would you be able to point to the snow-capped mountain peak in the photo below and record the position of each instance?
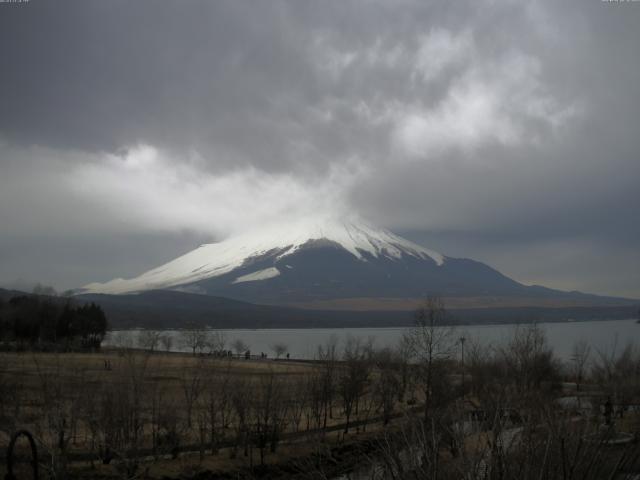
(281, 240)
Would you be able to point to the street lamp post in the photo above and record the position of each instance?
(462, 340)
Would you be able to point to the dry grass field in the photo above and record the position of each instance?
(127, 413)
(171, 413)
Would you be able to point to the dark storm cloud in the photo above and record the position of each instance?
(500, 130)
(103, 75)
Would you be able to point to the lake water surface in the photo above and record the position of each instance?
(603, 335)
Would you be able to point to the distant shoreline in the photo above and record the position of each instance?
(390, 327)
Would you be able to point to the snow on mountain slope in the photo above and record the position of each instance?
(259, 275)
(215, 259)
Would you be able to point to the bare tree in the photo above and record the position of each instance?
(269, 410)
(353, 377)
(386, 383)
(192, 385)
(298, 400)
(328, 357)
(618, 372)
(239, 346)
(167, 342)
(60, 405)
(544, 446)
(579, 359)
(194, 338)
(241, 399)
(215, 341)
(119, 418)
(529, 359)
(122, 340)
(432, 341)
(149, 340)
(401, 357)
(316, 399)
(279, 349)
(217, 405)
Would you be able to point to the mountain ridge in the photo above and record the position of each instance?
(312, 262)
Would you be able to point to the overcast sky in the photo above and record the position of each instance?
(504, 131)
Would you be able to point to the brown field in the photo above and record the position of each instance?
(92, 398)
(135, 414)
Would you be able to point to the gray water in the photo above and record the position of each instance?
(605, 335)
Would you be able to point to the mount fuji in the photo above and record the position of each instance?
(314, 262)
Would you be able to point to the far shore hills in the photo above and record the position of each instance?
(166, 309)
(410, 303)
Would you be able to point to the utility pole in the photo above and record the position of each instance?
(462, 340)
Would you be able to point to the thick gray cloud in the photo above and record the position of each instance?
(500, 130)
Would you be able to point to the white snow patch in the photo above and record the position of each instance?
(259, 275)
